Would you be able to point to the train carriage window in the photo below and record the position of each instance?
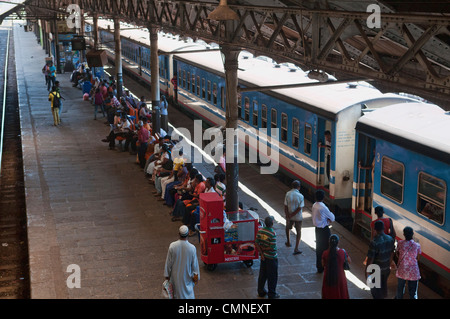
(215, 94)
(209, 90)
(188, 81)
(264, 116)
(295, 132)
(392, 179)
(247, 109)
(198, 86)
(193, 83)
(203, 88)
(307, 139)
(222, 98)
(255, 113)
(184, 79)
(431, 196)
(284, 127)
(273, 118)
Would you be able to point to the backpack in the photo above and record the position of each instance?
(56, 100)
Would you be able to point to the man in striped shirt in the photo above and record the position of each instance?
(266, 243)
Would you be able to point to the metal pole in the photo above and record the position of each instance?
(154, 75)
(82, 52)
(57, 53)
(118, 56)
(95, 32)
(232, 168)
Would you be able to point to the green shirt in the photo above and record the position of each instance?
(266, 238)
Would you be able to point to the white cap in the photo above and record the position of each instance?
(184, 231)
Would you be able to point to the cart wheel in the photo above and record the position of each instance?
(248, 263)
(211, 267)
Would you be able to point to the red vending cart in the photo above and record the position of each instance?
(229, 242)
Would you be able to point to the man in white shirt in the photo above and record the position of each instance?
(181, 267)
(293, 206)
(163, 105)
(322, 218)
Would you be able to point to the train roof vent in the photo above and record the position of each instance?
(276, 65)
(352, 85)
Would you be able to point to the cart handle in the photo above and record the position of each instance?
(198, 229)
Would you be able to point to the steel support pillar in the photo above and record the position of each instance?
(154, 75)
(81, 33)
(95, 33)
(56, 41)
(232, 168)
(118, 57)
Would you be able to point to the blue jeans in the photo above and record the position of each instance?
(141, 154)
(268, 271)
(96, 110)
(412, 288)
(51, 82)
(381, 292)
(60, 107)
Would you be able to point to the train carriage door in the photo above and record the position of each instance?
(172, 67)
(222, 98)
(324, 156)
(363, 182)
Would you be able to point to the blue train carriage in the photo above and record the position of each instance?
(410, 152)
(301, 115)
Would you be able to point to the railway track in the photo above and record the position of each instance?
(14, 262)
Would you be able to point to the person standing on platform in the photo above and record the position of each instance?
(322, 218)
(381, 251)
(143, 137)
(407, 266)
(51, 76)
(98, 103)
(334, 284)
(181, 267)
(61, 102)
(174, 82)
(388, 223)
(266, 243)
(293, 205)
(55, 98)
(164, 114)
(45, 72)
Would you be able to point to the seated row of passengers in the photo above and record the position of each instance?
(178, 184)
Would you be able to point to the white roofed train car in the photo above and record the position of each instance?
(409, 147)
(299, 116)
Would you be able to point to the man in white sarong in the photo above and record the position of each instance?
(181, 267)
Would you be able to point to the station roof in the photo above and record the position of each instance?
(410, 52)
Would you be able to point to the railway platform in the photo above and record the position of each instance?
(91, 207)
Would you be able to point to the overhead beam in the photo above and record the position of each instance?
(317, 39)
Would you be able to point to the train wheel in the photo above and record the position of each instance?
(248, 263)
